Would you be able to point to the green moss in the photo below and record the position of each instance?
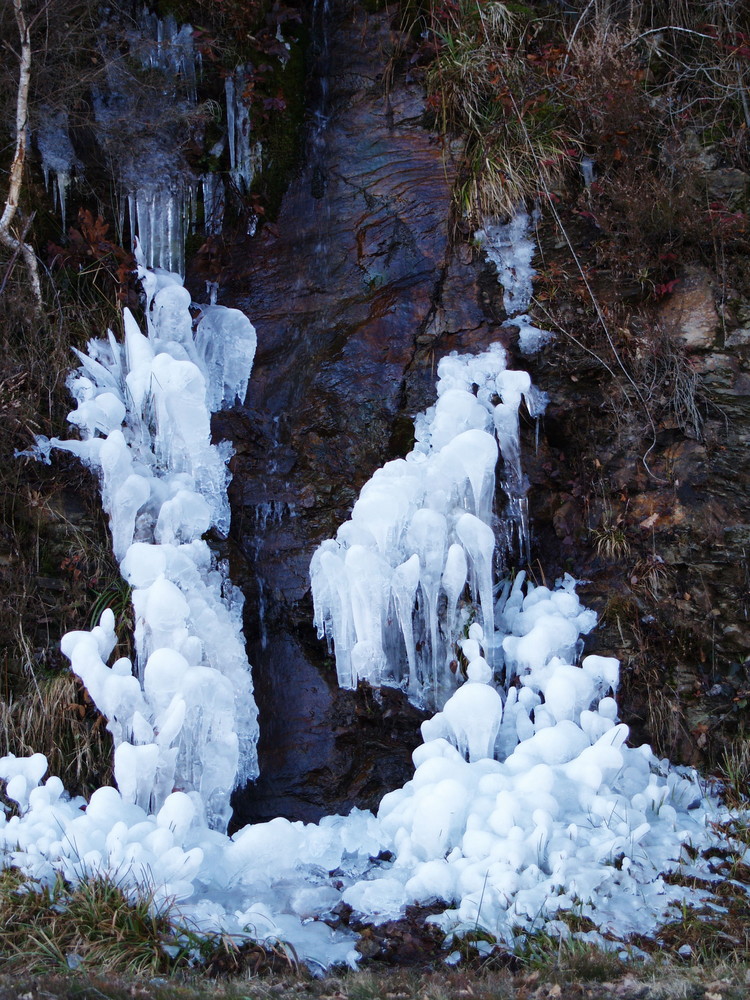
(281, 133)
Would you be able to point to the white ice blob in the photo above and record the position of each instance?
(393, 590)
(143, 411)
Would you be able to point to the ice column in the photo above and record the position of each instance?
(185, 717)
(58, 157)
(510, 247)
(161, 212)
(160, 43)
(401, 580)
(244, 155)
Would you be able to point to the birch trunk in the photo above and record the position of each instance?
(11, 240)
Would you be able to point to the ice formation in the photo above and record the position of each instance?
(161, 196)
(59, 161)
(521, 811)
(142, 132)
(163, 44)
(511, 249)
(394, 589)
(244, 154)
(186, 719)
(526, 805)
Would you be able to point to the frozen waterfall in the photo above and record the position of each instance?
(403, 579)
(186, 717)
(141, 122)
(526, 808)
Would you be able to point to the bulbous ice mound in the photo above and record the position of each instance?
(525, 809)
(185, 717)
(526, 806)
(397, 586)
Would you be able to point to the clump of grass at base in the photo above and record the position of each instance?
(93, 925)
(610, 541)
(100, 926)
(569, 959)
(704, 935)
(55, 715)
(734, 770)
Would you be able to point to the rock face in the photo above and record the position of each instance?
(355, 294)
(637, 487)
(690, 312)
(645, 499)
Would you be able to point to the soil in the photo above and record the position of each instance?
(476, 983)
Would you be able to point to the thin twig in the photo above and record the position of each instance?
(579, 22)
(589, 289)
(668, 27)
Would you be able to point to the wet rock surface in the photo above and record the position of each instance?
(355, 294)
(356, 291)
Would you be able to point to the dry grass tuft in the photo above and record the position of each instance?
(55, 716)
(94, 924)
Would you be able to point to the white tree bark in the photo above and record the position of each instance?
(9, 238)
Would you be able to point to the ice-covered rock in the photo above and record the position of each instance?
(394, 590)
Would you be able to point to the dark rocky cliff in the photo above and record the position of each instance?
(357, 290)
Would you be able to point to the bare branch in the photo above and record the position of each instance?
(668, 27)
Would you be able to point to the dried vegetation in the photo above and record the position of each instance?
(628, 122)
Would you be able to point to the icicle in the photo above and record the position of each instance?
(158, 188)
(231, 122)
(161, 215)
(511, 249)
(58, 156)
(143, 410)
(587, 171)
(244, 155)
(426, 524)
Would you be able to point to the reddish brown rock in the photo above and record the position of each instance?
(690, 311)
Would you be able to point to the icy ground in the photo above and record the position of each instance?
(526, 805)
(571, 822)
